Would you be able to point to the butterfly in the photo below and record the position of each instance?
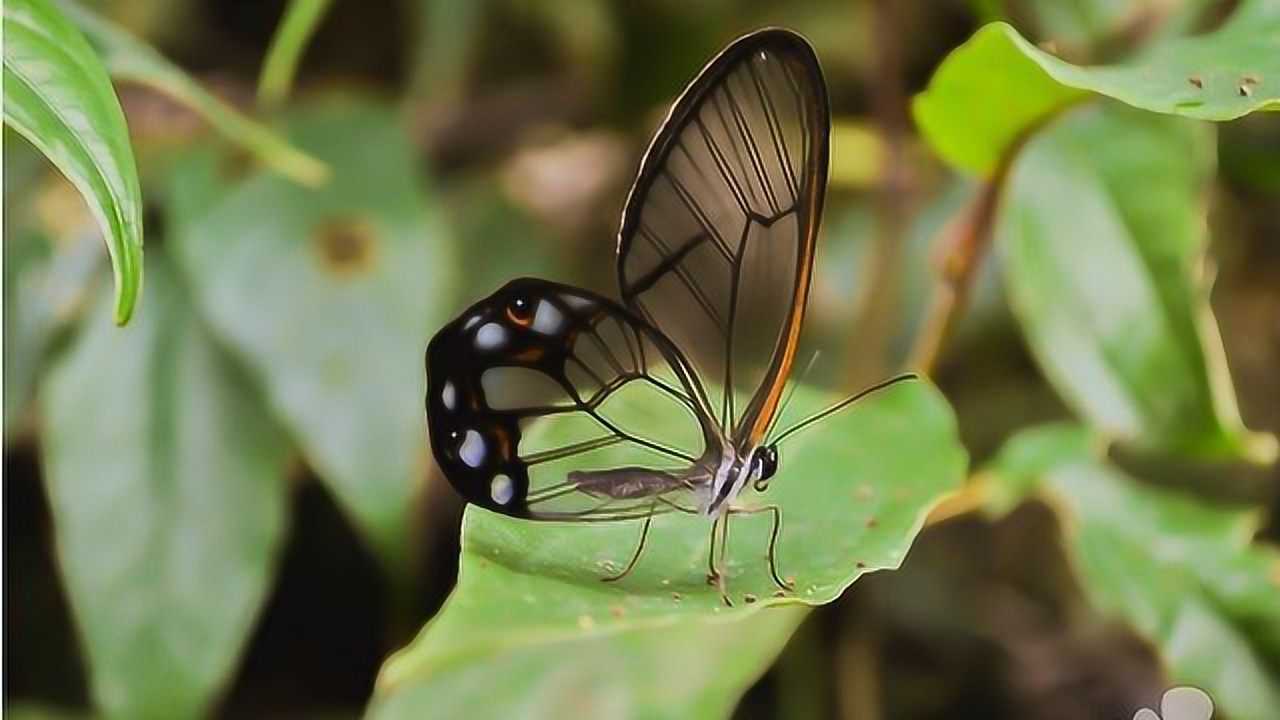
(714, 263)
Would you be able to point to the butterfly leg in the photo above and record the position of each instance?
(635, 557)
(773, 539)
(714, 575)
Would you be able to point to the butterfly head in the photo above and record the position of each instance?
(765, 462)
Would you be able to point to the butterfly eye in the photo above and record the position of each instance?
(520, 312)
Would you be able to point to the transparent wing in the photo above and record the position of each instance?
(549, 402)
(717, 239)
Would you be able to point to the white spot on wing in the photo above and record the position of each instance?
(577, 302)
(471, 322)
(501, 489)
(548, 320)
(449, 395)
(491, 336)
(472, 451)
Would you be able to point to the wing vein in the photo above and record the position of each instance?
(671, 263)
(722, 164)
(748, 141)
(695, 209)
(775, 133)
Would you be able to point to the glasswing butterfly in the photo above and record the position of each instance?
(715, 255)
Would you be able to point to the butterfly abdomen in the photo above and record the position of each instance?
(624, 483)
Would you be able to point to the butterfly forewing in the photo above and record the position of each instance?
(549, 402)
(717, 239)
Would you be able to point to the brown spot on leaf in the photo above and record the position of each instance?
(347, 246)
(1195, 80)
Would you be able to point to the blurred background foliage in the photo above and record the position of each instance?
(226, 507)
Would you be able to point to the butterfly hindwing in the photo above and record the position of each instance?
(561, 358)
(717, 238)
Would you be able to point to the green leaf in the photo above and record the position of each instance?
(330, 295)
(166, 482)
(854, 492)
(48, 271)
(994, 89)
(129, 59)
(1182, 572)
(693, 667)
(58, 96)
(1024, 460)
(45, 288)
(1101, 228)
(301, 18)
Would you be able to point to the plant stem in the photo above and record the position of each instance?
(962, 244)
(300, 21)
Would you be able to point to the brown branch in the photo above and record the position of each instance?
(962, 244)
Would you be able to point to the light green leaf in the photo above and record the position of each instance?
(46, 279)
(994, 89)
(330, 296)
(129, 59)
(168, 516)
(58, 96)
(45, 287)
(854, 492)
(694, 667)
(301, 18)
(1101, 228)
(1182, 572)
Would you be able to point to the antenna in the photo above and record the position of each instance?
(791, 391)
(843, 404)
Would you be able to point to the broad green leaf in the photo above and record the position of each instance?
(58, 96)
(45, 287)
(692, 667)
(329, 296)
(129, 59)
(854, 492)
(168, 516)
(1182, 572)
(301, 19)
(994, 89)
(1102, 229)
(48, 271)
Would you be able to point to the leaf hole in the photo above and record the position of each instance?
(347, 246)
